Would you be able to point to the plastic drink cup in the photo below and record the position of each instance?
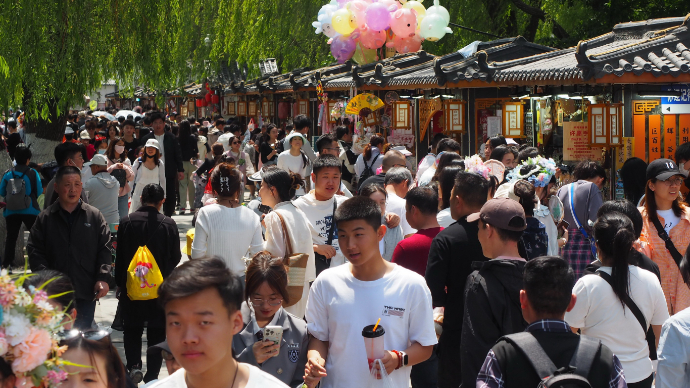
(373, 343)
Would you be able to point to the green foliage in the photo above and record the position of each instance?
(55, 51)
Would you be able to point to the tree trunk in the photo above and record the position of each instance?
(43, 134)
(5, 164)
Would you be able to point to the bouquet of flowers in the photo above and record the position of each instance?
(29, 325)
(539, 174)
(475, 165)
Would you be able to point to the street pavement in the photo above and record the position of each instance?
(105, 311)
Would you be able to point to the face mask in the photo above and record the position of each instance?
(101, 151)
(119, 149)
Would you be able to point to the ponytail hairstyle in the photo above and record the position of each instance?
(525, 191)
(225, 180)
(614, 235)
(376, 141)
(286, 184)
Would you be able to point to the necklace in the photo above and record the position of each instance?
(237, 368)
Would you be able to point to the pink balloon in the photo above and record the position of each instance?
(406, 45)
(377, 16)
(358, 8)
(371, 39)
(343, 48)
(404, 22)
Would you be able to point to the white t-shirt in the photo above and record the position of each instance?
(670, 219)
(257, 379)
(320, 216)
(443, 217)
(599, 313)
(160, 143)
(425, 178)
(427, 162)
(395, 204)
(340, 306)
(295, 164)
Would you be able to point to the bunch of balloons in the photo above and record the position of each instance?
(357, 28)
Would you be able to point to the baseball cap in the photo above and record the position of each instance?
(662, 169)
(97, 160)
(501, 213)
(153, 143)
(158, 347)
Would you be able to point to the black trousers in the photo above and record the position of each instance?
(132, 342)
(14, 224)
(170, 195)
(646, 383)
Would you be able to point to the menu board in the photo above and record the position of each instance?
(576, 143)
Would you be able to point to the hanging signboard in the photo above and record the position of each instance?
(676, 105)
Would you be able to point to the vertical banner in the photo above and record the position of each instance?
(625, 151)
(684, 129)
(639, 133)
(654, 137)
(669, 136)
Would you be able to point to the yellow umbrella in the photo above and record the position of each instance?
(361, 101)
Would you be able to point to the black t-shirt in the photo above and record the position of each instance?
(131, 148)
(266, 150)
(13, 140)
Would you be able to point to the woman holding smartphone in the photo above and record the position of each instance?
(266, 290)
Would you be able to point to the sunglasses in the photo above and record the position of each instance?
(93, 335)
(236, 142)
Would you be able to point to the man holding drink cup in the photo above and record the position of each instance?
(346, 301)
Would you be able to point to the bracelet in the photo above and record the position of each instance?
(397, 353)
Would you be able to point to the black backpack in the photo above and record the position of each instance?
(573, 376)
(368, 172)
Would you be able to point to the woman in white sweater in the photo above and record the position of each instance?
(227, 229)
(277, 188)
(294, 160)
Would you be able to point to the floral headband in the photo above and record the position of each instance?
(474, 164)
(540, 171)
(29, 326)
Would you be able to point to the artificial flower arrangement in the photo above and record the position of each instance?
(29, 325)
(540, 172)
(474, 164)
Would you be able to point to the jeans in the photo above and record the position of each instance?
(425, 374)
(14, 224)
(85, 312)
(132, 343)
(122, 205)
(186, 186)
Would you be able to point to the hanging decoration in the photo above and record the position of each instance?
(357, 26)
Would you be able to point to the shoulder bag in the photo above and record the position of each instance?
(296, 266)
(677, 257)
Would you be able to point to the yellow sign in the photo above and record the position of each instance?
(626, 151)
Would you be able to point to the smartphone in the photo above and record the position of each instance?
(264, 209)
(563, 225)
(273, 334)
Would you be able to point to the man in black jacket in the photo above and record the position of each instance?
(171, 154)
(72, 237)
(546, 297)
(450, 262)
(159, 233)
(492, 291)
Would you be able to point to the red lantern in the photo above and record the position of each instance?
(199, 102)
(204, 102)
(208, 97)
(215, 99)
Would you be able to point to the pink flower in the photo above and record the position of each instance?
(7, 294)
(3, 344)
(40, 296)
(32, 352)
(56, 377)
(24, 382)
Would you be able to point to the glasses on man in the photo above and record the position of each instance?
(271, 302)
(673, 181)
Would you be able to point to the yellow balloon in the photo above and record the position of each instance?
(417, 7)
(343, 21)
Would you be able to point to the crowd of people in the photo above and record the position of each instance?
(503, 269)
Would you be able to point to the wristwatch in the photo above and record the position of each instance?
(405, 360)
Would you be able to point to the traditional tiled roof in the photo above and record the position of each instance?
(658, 47)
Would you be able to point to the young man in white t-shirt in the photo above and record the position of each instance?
(202, 302)
(343, 300)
